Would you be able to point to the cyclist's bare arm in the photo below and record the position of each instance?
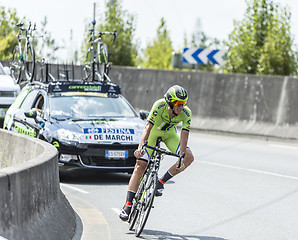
(183, 140)
(147, 129)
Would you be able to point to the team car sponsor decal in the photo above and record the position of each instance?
(92, 94)
(56, 144)
(85, 88)
(28, 132)
(109, 134)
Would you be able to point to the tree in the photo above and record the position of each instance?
(158, 55)
(262, 42)
(123, 51)
(8, 32)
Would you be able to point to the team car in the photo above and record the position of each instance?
(8, 91)
(90, 123)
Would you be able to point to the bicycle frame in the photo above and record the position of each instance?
(96, 59)
(143, 202)
(21, 54)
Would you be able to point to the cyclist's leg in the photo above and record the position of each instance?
(172, 142)
(134, 181)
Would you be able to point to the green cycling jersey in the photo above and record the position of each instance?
(165, 127)
(160, 119)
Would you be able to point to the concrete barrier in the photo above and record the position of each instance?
(236, 103)
(32, 205)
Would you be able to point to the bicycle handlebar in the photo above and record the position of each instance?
(104, 33)
(20, 25)
(164, 151)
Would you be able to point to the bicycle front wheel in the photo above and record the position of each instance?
(146, 204)
(29, 61)
(133, 215)
(16, 64)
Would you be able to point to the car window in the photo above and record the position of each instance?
(90, 106)
(28, 101)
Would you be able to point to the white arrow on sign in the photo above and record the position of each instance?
(203, 56)
(188, 55)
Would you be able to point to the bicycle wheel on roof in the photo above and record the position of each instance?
(103, 58)
(29, 61)
(16, 64)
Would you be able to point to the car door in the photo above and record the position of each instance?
(26, 125)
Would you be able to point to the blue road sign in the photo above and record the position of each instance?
(202, 56)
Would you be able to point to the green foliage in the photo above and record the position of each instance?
(8, 32)
(158, 55)
(45, 47)
(262, 42)
(123, 51)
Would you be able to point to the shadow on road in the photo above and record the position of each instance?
(161, 235)
(93, 177)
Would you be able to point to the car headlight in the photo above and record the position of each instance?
(67, 136)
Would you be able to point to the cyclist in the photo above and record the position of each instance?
(163, 118)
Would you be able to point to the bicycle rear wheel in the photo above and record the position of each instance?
(29, 61)
(16, 64)
(146, 204)
(103, 59)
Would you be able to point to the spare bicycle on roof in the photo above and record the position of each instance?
(23, 56)
(97, 63)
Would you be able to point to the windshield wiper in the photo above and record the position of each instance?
(60, 118)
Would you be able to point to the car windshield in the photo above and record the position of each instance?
(86, 107)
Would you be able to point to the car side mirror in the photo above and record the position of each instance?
(31, 113)
(144, 114)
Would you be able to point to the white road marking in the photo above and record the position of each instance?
(73, 188)
(283, 146)
(117, 210)
(250, 170)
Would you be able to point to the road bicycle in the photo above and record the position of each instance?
(23, 56)
(144, 198)
(97, 63)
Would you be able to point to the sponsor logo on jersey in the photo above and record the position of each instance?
(186, 112)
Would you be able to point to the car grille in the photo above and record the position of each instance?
(7, 94)
(94, 155)
(4, 106)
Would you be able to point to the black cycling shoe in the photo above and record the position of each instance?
(125, 211)
(159, 188)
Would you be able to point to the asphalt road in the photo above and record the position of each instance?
(237, 189)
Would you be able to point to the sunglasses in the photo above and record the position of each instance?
(178, 103)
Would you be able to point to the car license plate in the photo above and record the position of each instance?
(116, 154)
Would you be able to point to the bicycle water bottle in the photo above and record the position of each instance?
(21, 57)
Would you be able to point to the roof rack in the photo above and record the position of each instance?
(49, 73)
